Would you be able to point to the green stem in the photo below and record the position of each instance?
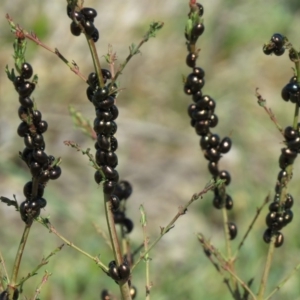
(264, 279)
(228, 249)
(17, 30)
(35, 186)
(296, 114)
(44, 280)
(40, 265)
(280, 285)
(258, 211)
(128, 58)
(124, 287)
(19, 255)
(95, 259)
(181, 211)
(243, 284)
(226, 232)
(125, 290)
(96, 61)
(147, 259)
(112, 231)
(3, 272)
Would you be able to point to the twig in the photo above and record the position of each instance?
(262, 102)
(46, 223)
(133, 50)
(181, 211)
(124, 286)
(147, 258)
(280, 285)
(258, 211)
(264, 278)
(242, 283)
(22, 34)
(19, 254)
(103, 234)
(3, 272)
(41, 264)
(82, 123)
(44, 280)
(96, 60)
(211, 252)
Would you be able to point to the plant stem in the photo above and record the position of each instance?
(19, 255)
(226, 232)
(3, 270)
(96, 61)
(147, 258)
(124, 287)
(258, 211)
(296, 114)
(112, 231)
(21, 33)
(41, 264)
(280, 285)
(53, 230)
(134, 51)
(228, 249)
(243, 284)
(181, 211)
(264, 279)
(44, 280)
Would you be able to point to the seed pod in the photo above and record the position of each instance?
(225, 175)
(191, 60)
(98, 177)
(289, 201)
(228, 202)
(133, 292)
(124, 271)
(42, 126)
(279, 240)
(27, 190)
(232, 230)
(113, 143)
(40, 156)
(26, 70)
(103, 142)
(107, 103)
(26, 102)
(115, 202)
(109, 187)
(225, 145)
(89, 13)
(55, 173)
(113, 271)
(213, 168)
(4, 295)
(267, 235)
(123, 190)
(217, 202)
(23, 129)
(128, 224)
(105, 295)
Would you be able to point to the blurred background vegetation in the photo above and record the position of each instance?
(158, 151)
